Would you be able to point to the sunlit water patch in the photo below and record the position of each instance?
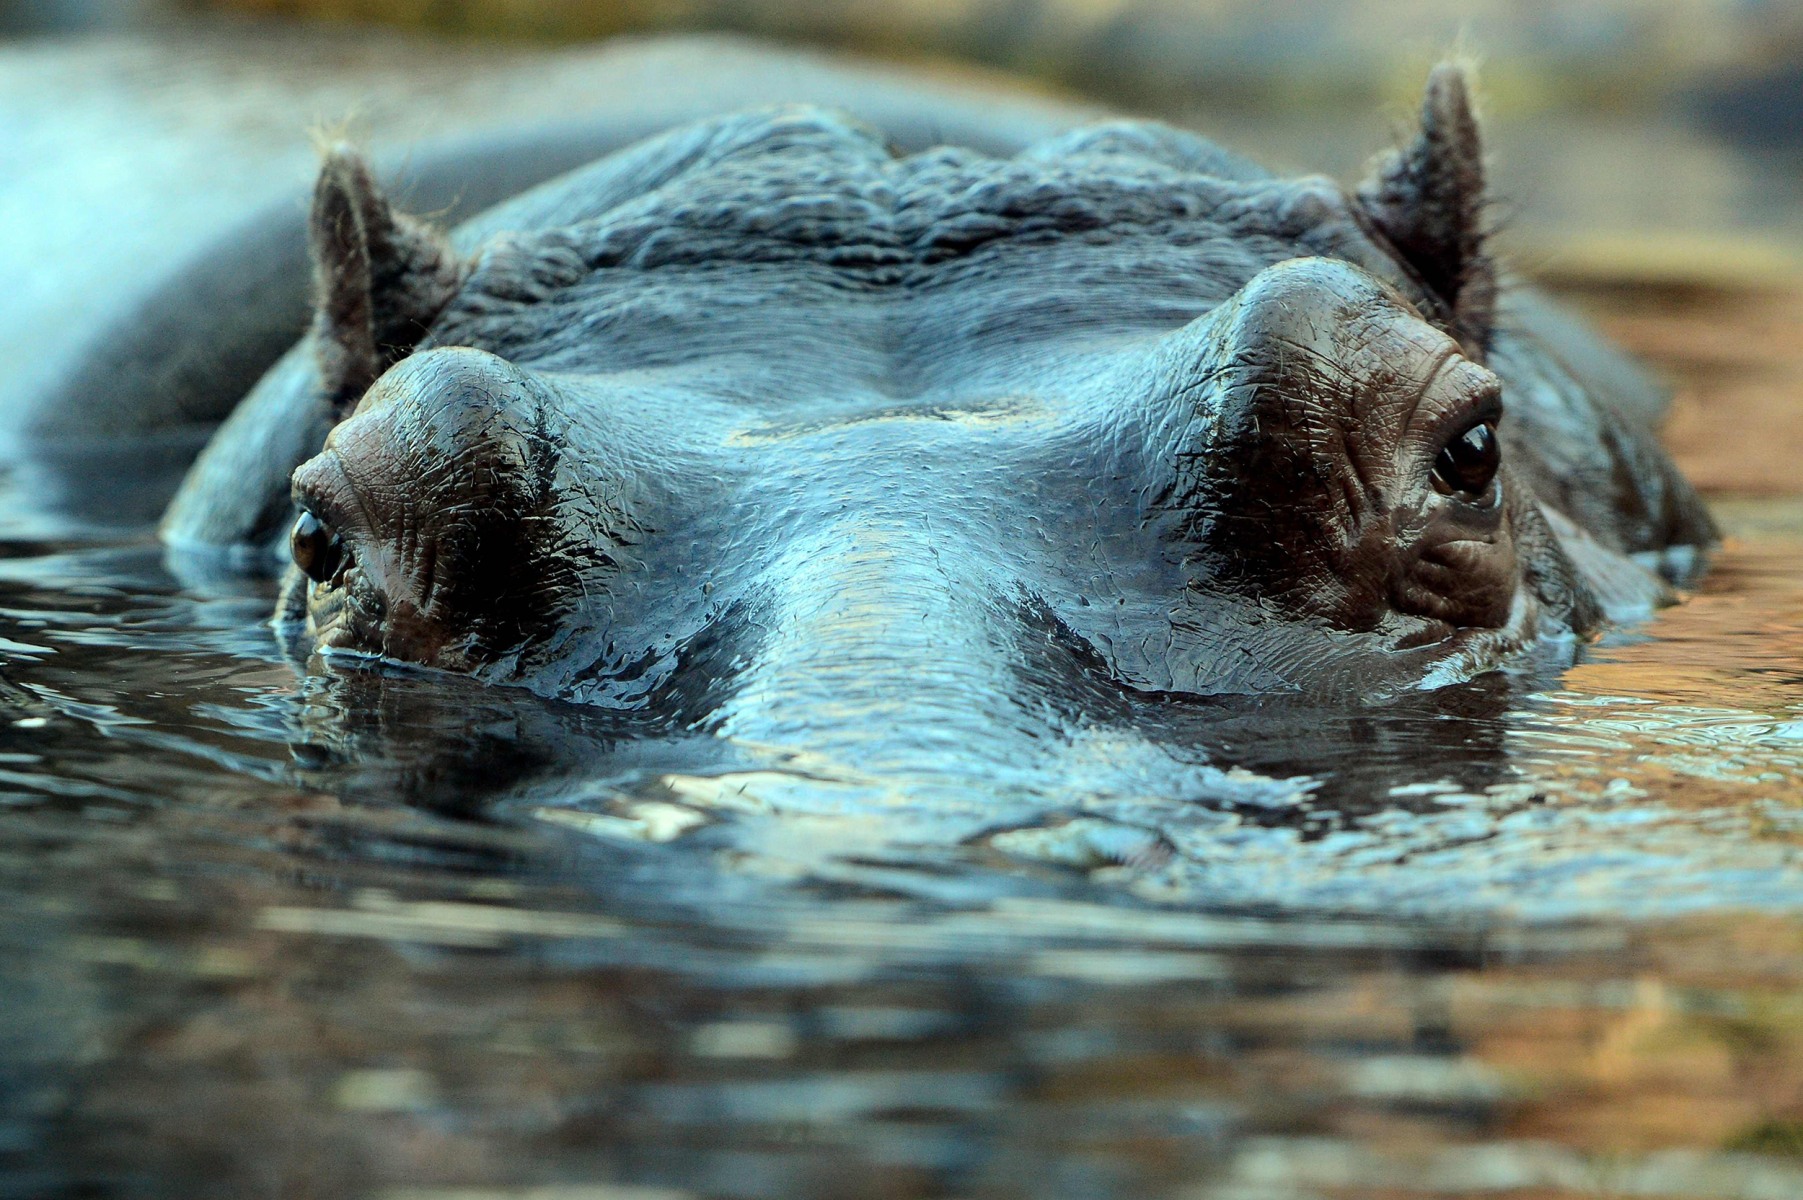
(390, 936)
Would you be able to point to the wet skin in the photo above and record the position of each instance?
(794, 439)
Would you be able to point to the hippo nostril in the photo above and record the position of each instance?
(317, 548)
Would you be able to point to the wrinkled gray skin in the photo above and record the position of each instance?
(773, 430)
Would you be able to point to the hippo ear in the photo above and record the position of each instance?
(380, 278)
(1428, 200)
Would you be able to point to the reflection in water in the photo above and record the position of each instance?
(385, 935)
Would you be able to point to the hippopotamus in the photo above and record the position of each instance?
(768, 426)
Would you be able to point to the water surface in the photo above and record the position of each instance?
(388, 936)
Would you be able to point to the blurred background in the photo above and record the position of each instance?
(1670, 121)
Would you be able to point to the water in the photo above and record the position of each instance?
(385, 936)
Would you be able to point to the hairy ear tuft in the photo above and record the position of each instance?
(1428, 200)
(380, 278)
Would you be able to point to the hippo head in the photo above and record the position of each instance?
(804, 433)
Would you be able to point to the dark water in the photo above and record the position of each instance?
(383, 936)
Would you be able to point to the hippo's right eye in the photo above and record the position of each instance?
(317, 549)
(1467, 466)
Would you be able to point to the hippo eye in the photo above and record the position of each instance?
(317, 549)
(1467, 466)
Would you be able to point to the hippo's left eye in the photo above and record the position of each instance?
(1466, 468)
(317, 549)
